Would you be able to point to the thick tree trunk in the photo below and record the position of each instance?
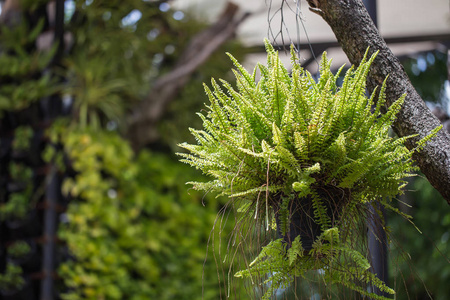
(356, 32)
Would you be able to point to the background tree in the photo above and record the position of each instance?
(356, 32)
(426, 269)
(68, 88)
(423, 271)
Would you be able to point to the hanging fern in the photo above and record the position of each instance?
(306, 145)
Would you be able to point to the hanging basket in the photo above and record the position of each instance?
(318, 150)
(303, 219)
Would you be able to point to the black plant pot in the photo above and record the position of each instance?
(302, 223)
(25, 293)
(303, 219)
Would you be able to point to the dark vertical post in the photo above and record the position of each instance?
(376, 236)
(50, 224)
(371, 6)
(53, 186)
(377, 243)
(59, 29)
(448, 65)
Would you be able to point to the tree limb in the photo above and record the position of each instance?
(144, 118)
(11, 14)
(355, 32)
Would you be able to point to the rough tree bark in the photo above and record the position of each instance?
(142, 129)
(355, 32)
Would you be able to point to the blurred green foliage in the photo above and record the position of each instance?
(119, 49)
(420, 263)
(19, 249)
(22, 137)
(133, 229)
(12, 279)
(20, 84)
(179, 115)
(428, 73)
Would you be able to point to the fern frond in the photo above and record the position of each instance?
(320, 212)
(248, 78)
(283, 216)
(295, 251)
(423, 141)
(357, 258)
(389, 117)
(256, 191)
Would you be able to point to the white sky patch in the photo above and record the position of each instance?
(447, 94)
(421, 63)
(178, 15)
(112, 193)
(430, 58)
(164, 7)
(132, 18)
(153, 34)
(69, 9)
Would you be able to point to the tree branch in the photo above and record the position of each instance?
(355, 32)
(142, 129)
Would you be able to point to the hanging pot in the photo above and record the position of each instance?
(302, 218)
